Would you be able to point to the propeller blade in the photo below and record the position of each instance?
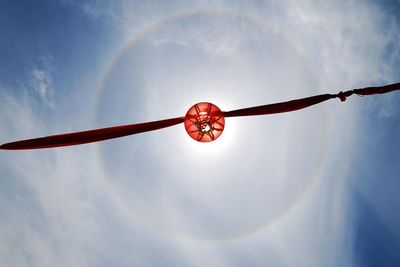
(84, 137)
(301, 103)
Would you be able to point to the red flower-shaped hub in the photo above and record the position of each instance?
(204, 122)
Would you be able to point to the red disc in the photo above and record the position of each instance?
(204, 122)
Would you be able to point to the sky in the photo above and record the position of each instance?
(316, 187)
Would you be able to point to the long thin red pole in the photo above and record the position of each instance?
(84, 137)
(120, 131)
(301, 103)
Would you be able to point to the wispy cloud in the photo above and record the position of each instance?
(158, 199)
(43, 84)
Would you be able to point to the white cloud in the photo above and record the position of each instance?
(43, 85)
(59, 208)
(56, 207)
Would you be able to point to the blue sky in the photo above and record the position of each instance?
(319, 187)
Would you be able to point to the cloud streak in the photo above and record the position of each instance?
(43, 85)
(271, 191)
